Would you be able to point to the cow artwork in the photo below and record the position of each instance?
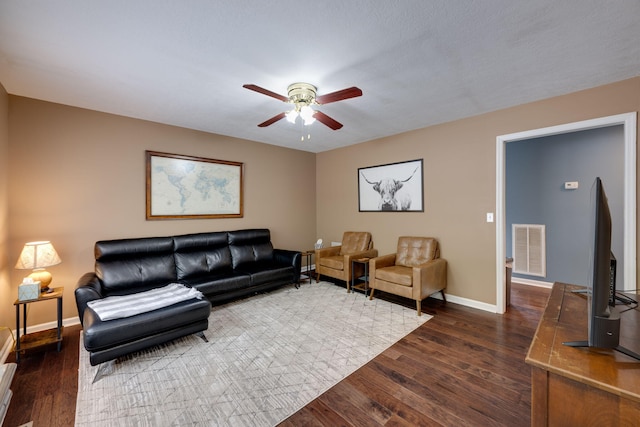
(393, 196)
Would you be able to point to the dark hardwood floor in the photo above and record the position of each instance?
(463, 367)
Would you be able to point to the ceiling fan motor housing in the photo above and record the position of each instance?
(302, 94)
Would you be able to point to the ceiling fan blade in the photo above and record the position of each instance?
(272, 120)
(266, 92)
(339, 95)
(326, 120)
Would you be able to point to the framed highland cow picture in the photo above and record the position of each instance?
(394, 187)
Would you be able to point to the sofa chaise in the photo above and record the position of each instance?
(221, 265)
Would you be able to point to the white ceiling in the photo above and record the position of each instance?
(417, 62)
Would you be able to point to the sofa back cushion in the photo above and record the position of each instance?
(355, 241)
(252, 245)
(413, 251)
(133, 265)
(198, 255)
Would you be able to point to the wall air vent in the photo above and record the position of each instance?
(529, 251)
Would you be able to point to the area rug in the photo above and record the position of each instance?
(267, 356)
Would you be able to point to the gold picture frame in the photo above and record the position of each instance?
(188, 187)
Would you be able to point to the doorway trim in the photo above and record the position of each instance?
(628, 120)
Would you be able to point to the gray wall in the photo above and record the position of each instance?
(536, 171)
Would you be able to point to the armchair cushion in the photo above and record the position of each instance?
(336, 262)
(396, 274)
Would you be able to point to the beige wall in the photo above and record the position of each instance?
(6, 295)
(77, 176)
(459, 181)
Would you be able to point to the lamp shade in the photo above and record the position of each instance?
(37, 255)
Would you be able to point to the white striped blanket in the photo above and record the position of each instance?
(116, 307)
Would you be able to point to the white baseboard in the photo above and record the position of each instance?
(492, 308)
(467, 302)
(530, 282)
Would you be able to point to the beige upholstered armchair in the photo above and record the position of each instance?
(335, 261)
(415, 271)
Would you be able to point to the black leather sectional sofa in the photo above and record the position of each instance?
(222, 265)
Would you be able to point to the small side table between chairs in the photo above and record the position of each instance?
(365, 277)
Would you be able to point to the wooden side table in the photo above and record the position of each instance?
(41, 338)
(365, 278)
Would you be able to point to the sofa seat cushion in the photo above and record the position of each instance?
(220, 283)
(265, 272)
(100, 335)
(396, 274)
(336, 262)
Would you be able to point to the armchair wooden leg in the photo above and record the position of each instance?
(419, 307)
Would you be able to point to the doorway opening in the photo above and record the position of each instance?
(628, 121)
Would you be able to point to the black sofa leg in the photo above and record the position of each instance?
(201, 335)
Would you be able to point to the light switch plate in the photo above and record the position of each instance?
(571, 185)
(489, 216)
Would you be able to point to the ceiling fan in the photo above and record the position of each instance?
(303, 96)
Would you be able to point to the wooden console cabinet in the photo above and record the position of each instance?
(582, 386)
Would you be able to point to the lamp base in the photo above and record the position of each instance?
(43, 276)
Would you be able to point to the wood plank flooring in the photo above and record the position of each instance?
(463, 367)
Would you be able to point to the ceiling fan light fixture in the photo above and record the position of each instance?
(303, 96)
(292, 116)
(307, 114)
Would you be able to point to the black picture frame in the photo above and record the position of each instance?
(392, 187)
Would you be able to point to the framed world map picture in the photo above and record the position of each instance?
(185, 187)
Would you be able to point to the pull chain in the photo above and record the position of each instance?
(302, 132)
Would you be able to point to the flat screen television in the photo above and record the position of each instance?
(604, 319)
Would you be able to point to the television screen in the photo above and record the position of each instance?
(604, 319)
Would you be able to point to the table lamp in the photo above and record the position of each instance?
(37, 256)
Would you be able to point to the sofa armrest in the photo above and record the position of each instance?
(88, 289)
(292, 258)
(432, 276)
